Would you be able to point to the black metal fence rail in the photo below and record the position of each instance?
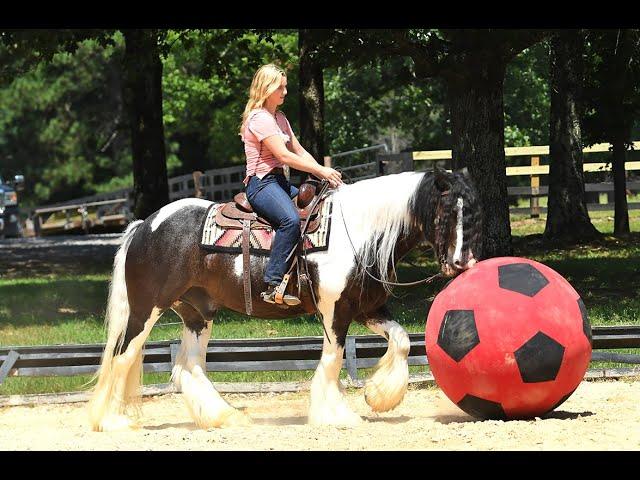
(264, 354)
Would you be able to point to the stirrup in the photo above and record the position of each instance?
(275, 295)
(287, 300)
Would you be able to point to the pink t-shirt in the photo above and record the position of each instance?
(260, 125)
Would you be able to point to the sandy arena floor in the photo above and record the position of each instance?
(598, 416)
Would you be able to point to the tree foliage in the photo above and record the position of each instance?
(363, 108)
(62, 125)
(612, 93)
(206, 83)
(526, 98)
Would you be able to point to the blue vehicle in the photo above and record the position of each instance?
(9, 214)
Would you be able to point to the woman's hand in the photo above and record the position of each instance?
(300, 159)
(332, 176)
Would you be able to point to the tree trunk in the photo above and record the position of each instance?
(311, 96)
(621, 217)
(567, 215)
(621, 131)
(193, 150)
(475, 93)
(143, 103)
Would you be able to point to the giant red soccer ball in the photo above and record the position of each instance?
(509, 338)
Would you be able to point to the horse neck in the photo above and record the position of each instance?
(407, 243)
(378, 206)
(379, 219)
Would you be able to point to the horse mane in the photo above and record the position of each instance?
(378, 213)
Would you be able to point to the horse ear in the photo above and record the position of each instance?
(441, 179)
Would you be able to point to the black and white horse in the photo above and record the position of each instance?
(160, 265)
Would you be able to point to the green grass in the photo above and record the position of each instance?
(52, 310)
(543, 201)
(68, 309)
(522, 224)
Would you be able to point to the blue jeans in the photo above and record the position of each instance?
(271, 199)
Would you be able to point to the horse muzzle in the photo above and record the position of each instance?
(455, 268)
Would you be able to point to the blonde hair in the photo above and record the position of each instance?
(266, 80)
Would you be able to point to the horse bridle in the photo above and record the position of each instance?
(323, 192)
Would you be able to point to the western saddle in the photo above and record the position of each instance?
(239, 215)
(234, 214)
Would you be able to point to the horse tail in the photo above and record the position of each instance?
(117, 316)
(116, 321)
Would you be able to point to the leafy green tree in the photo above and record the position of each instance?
(142, 97)
(207, 74)
(60, 123)
(364, 107)
(612, 103)
(472, 64)
(526, 97)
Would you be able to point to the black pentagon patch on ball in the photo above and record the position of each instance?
(458, 333)
(522, 278)
(539, 359)
(481, 408)
(586, 324)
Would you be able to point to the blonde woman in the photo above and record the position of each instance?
(269, 145)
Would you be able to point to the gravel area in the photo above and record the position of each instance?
(65, 254)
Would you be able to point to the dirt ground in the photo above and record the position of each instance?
(58, 255)
(603, 415)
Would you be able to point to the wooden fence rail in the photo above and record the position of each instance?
(535, 170)
(263, 354)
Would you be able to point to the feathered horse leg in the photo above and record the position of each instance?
(386, 388)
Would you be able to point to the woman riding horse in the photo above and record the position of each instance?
(161, 265)
(269, 145)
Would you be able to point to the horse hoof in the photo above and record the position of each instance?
(116, 423)
(351, 419)
(338, 419)
(237, 419)
(384, 397)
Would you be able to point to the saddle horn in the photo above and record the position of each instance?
(307, 191)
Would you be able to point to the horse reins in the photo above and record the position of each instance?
(321, 194)
(365, 268)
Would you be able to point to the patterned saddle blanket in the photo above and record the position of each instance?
(222, 229)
